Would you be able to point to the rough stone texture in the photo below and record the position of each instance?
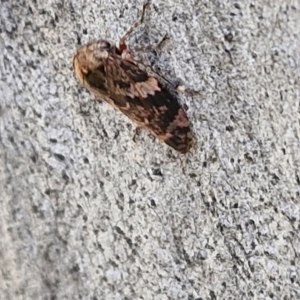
(86, 213)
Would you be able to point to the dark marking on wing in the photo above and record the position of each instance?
(96, 80)
(121, 84)
(133, 72)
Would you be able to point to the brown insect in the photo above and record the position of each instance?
(110, 73)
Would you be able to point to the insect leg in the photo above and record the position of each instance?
(122, 43)
(157, 46)
(186, 90)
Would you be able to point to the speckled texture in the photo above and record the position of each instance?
(87, 213)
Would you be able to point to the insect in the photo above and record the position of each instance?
(110, 73)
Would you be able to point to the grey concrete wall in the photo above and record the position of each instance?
(87, 213)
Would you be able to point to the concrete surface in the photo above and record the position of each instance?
(87, 213)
